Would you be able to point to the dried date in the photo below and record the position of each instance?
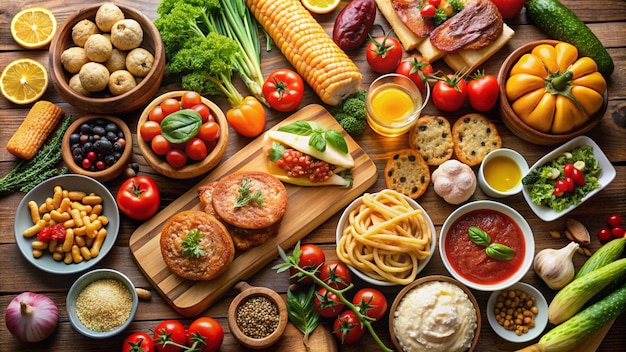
(354, 23)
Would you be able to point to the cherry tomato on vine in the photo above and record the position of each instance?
(248, 119)
(483, 91)
(196, 149)
(283, 89)
(156, 114)
(416, 68)
(190, 99)
(348, 328)
(383, 54)
(335, 274)
(208, 330)
(327, 304)
(169, 106)
(371, 302)
(614, 220)
(204, 112)
(139, 197)
(138, 341)
(449, 92)
(311, 258)
(169, 330)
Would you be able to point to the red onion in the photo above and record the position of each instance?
(31, 317)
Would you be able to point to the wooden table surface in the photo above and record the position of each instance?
(607, 19)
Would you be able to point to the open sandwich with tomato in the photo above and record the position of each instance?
(305, 154)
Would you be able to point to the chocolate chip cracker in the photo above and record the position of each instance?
(474, 136)
(431, 136)
(407, 172)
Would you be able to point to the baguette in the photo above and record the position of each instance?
(34, 130)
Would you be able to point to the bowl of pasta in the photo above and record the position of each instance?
(385, 238)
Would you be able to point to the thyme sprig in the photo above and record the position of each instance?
(245, 197)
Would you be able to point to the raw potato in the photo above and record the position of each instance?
(107, 14)
(139, 62)
(117, 61)
(83, 30)
(121, 81)
(73, 59)
(98, 48)
(94, 76)
(126, 34)
(77, 86)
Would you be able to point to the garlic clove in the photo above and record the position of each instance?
(555, 266)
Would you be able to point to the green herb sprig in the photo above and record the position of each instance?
(319, 136)
(245, 197)
(496, 251)
(191, 244)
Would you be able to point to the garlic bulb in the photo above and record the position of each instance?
(555, 266)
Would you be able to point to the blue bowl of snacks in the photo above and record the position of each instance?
(566, 177)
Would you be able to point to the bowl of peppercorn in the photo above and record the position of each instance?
(97, 146)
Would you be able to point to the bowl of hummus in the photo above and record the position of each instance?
(435, 314)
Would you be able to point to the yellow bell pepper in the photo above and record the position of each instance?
(553, 90)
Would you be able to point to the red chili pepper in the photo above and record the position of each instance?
(51, 233)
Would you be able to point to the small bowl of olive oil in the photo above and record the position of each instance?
(500, 173)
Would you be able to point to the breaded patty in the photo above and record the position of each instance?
(214, 241)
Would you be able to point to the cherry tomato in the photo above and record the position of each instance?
(209, 131)
(139, 197)
(248, 119)
(283, 89)
(371, 302)
(176, 158)
(208, 330)
(327, 304)
(578, 177)
(434, 2)
(311, 258)
(169, 330)
(617, 232)
(509, 8)
(567, 169)
(156, 114)
(335, 274)
(204, 112)
(570, 184)
(449, 92)
(483, 91)
(428, 10)
(138, 342)
(160, 145)
(169, 106)
(604, 234)
(560, 187)
(196, 149)
(614, 220)
(348, 328)
(416, 68)
(383, 54)
(149, 129)
(190, 99)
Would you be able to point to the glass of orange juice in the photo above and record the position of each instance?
(394, 104)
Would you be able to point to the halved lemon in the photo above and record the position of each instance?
(320, 6)
(24, 81)
(34, 27)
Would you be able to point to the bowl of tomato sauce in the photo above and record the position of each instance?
(486, 245)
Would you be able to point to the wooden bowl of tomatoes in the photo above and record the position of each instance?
(182, 134)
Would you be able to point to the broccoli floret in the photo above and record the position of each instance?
(339, 116)
(360, 94)
(457, 5)
(352, 125)
(354, 107)
(440, 17)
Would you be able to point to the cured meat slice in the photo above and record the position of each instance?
(409, 13)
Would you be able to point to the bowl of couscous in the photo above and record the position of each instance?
(101, 303)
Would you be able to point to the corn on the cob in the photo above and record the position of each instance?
(34, 130)
(303, 41)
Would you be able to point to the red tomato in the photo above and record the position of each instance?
(156, 114)
(384, 54)
(311, 258)
(604, 234)
(196, 149)
(190, 99)
(509, 8)
(327, 304)
(138, 342)
(416, 68)
(428, 10)
(248, 119)
(283, 89)
(209, 131)
(449, 92)
(169, 106)
(371, 302)
(149, 129)
(207, 330)
(483, 91)
(335, 274)
(348, 328)
(139, 197)
(614, 220)
(204, 112)
(176, 158)
(160, 145)
(567, 169)
(169, 330)
(618, 232)
(578, 177)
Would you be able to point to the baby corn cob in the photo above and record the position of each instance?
(34, 130)
(303, 41)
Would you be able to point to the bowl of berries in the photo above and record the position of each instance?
(182, 135)
(97, 146)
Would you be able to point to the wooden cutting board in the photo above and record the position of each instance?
(307, 208)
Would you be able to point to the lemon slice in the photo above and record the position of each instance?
(24, 81)
(34, 27)
(320, 6)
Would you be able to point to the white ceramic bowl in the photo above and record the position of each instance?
(343, 223)
(72, 182)
(84, 281)
(606, 176)
(489, 206)
(541, 319)
(510, 154)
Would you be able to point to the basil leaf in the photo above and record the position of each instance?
(181, 126)
(301, 310)
(478, 236)
(277, 152)
(301, 128)
(499, 251)
(318, 142)
(335, 138)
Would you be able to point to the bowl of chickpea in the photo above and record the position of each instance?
(66, 224)
(518, 313)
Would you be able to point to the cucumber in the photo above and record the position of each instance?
(562, 24)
